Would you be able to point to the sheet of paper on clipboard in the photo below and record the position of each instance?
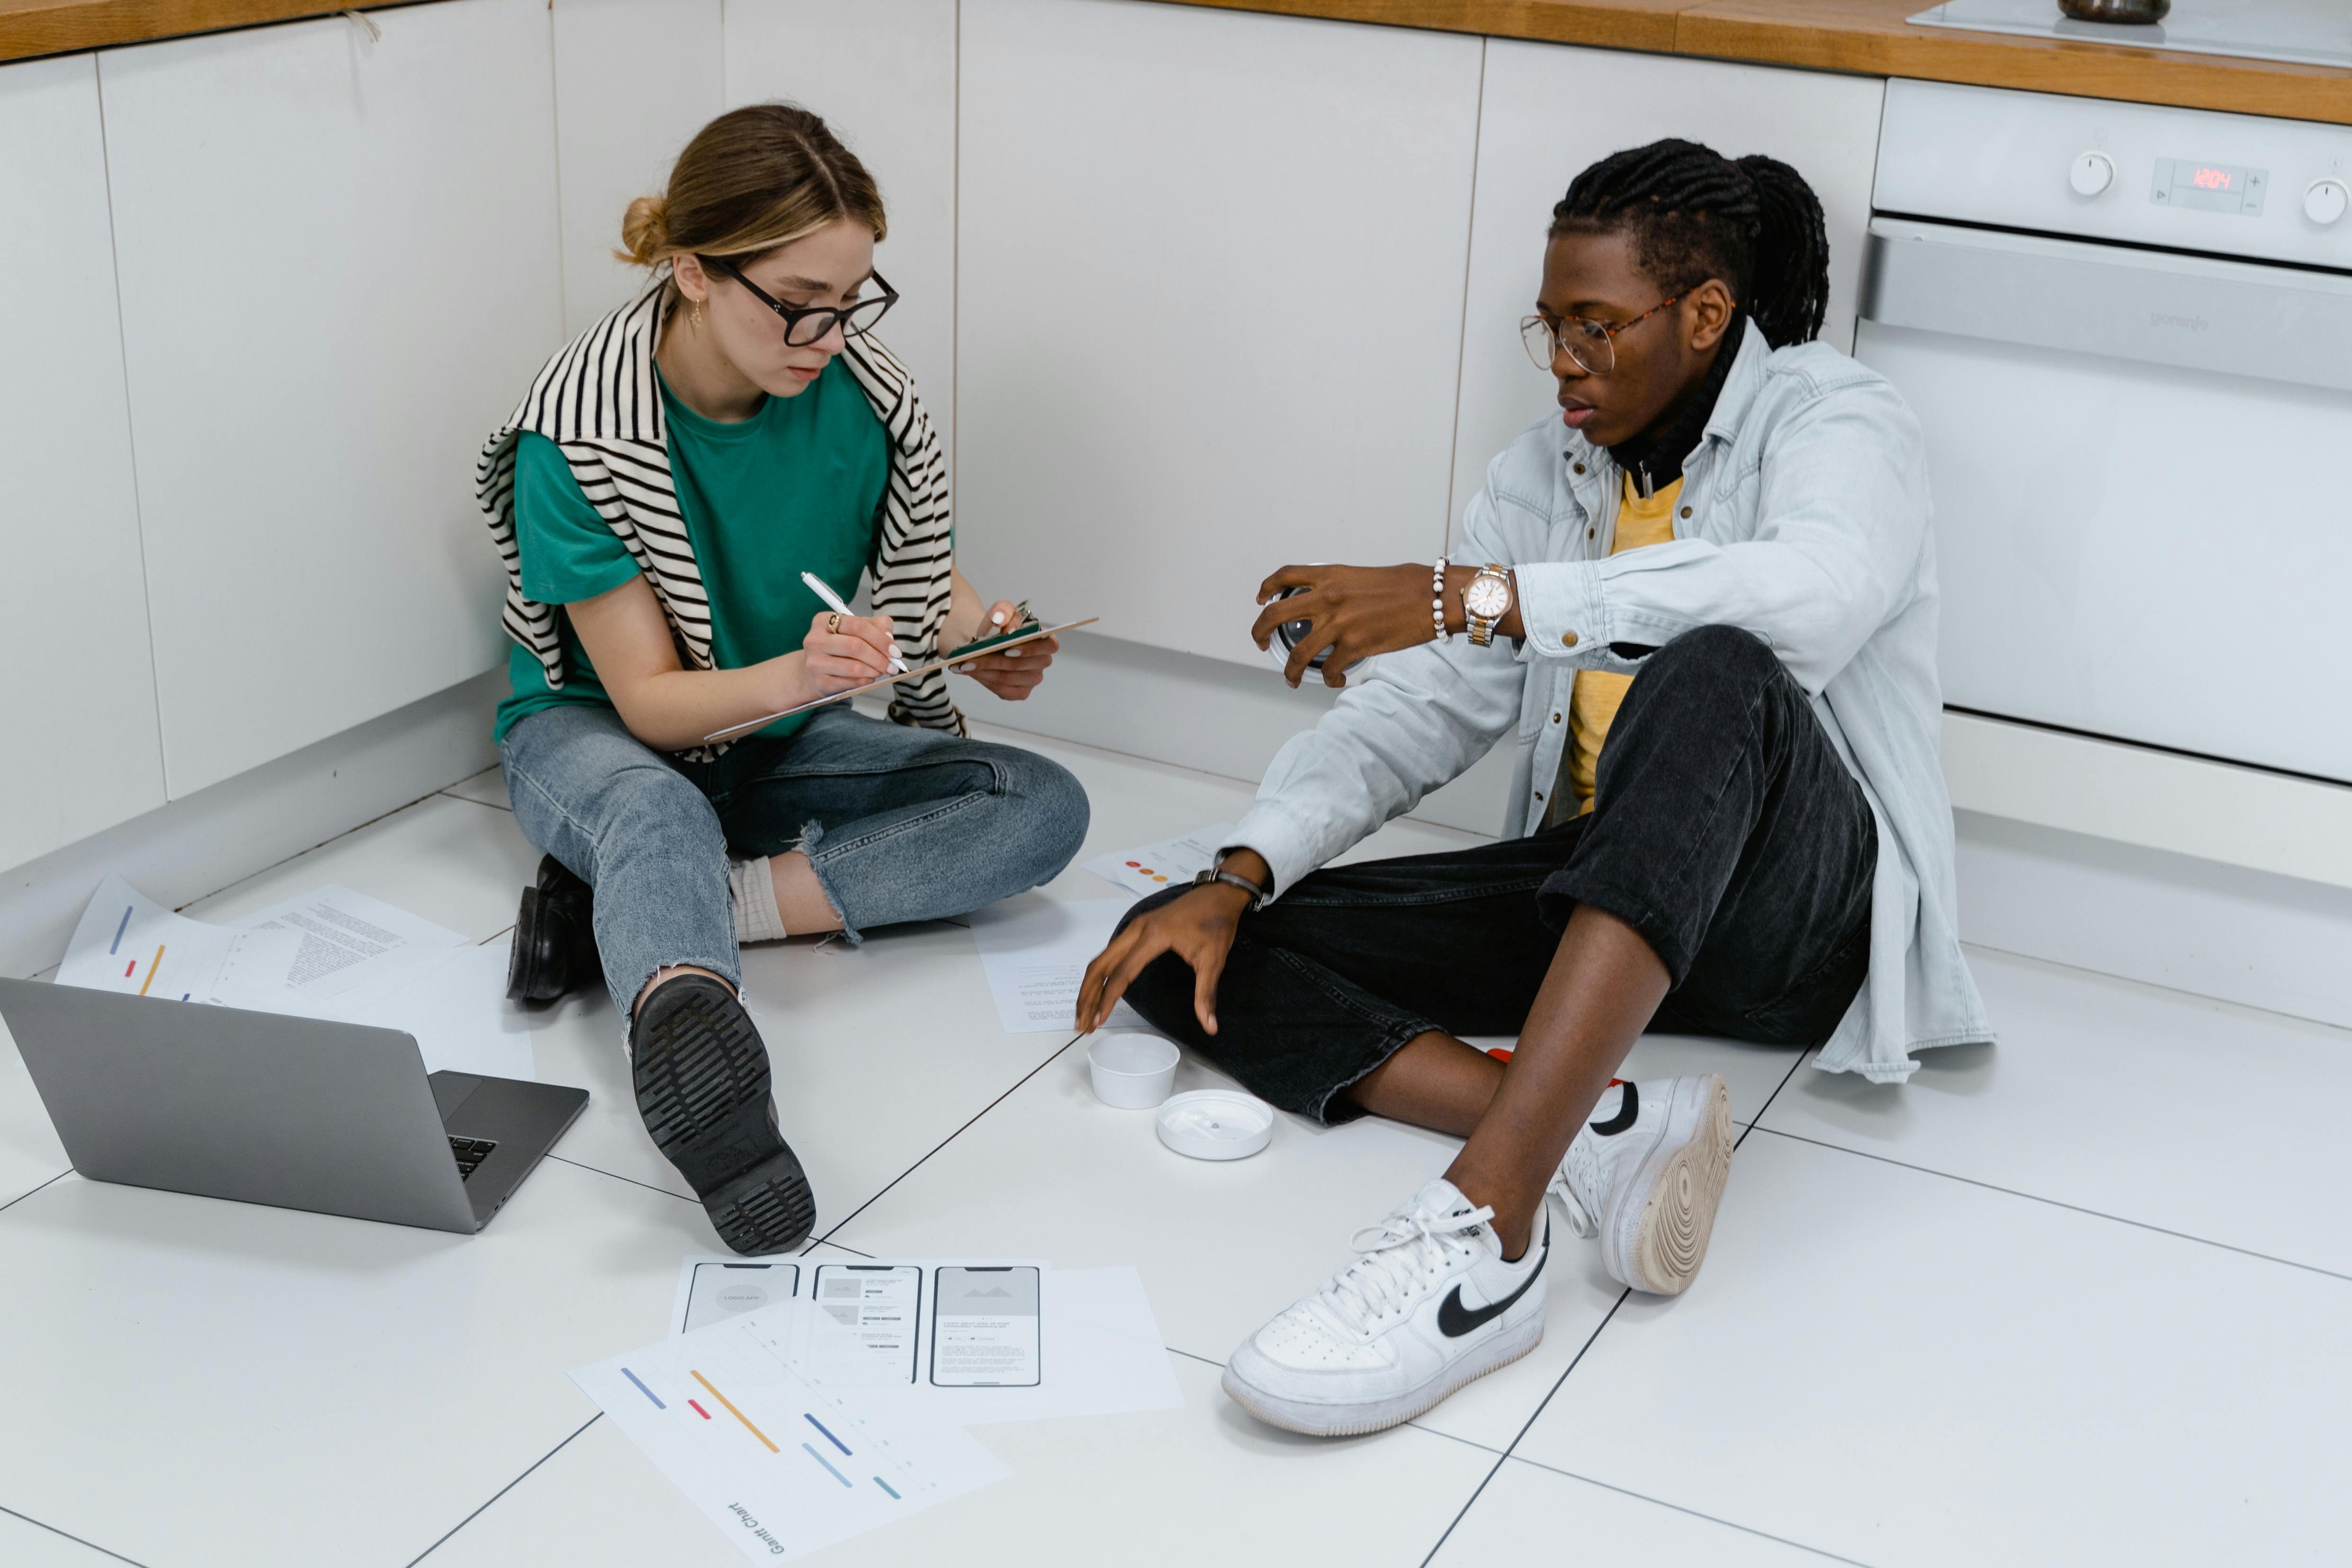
(962, 656)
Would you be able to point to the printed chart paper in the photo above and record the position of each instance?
(782, 1462)
(1086, 1344)
(127, 941)
(1171, 862)
(351, 944)
(330, 954)
(455, 1005)
(1035, 950)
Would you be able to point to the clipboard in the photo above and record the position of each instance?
(969, 652)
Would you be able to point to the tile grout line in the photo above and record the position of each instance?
(77, 1539)
(1695, 1513)
(2061, 1203)
(502, 1491)
(1785, 1078)
(1505, 1457)
(28, 1193)
(615, 1175)
(1583, 1350)
(950, 1138)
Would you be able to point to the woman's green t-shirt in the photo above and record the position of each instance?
(796, 488)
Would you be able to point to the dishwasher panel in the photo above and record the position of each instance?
(2137, 549)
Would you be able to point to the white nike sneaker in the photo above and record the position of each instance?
(1645, 1173)
(1430, 1306)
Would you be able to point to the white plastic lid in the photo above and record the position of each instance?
(1216, 1124)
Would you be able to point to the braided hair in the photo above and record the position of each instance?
(1695, 215)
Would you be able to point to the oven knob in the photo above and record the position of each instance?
(2325, 200)
(2092, 172)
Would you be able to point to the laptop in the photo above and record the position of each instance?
(336, 1118)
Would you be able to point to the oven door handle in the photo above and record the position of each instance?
(2273, 323)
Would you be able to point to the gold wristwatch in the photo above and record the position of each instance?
(1486, 601)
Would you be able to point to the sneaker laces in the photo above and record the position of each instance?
(1396, 1256)
(1580, 1166)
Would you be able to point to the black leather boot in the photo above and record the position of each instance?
(554, 949)
(702, 1080)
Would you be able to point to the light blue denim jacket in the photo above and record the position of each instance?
(1807, 526)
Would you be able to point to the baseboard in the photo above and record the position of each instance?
(205, 841)
(2230, 932)
(2249, 817)
(1210, 714)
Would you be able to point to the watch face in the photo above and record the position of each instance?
(1487, 598)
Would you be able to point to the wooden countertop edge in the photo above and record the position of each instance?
(1863, 37)
(30, 28)
(2286, 92)
(1867, 37)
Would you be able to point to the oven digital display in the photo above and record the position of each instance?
(2207, 187)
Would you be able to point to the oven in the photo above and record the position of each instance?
(2127, 332)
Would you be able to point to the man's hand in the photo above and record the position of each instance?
(1356, 612)
(1198, 928)
(1014, 673)
(1360, 610)
(847, 650)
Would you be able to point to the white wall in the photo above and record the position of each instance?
(1548, 110)
(78, 704)
(1210, 281)
(883, 74)
(635, 80)
(337, 260)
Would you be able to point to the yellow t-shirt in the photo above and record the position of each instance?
(1593, 708)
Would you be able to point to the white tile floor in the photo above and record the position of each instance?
(2080, 1300)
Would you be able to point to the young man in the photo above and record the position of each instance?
(1706, 593)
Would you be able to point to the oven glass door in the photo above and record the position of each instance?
(2143, 486)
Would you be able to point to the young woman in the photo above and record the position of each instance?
(1707, 599)
(657, 497)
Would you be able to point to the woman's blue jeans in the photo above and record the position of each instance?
(899, 823)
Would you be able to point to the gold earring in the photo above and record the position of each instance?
(693, 314)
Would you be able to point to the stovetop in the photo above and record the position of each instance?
(2303, 32)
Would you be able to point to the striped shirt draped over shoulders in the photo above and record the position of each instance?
(597, 400)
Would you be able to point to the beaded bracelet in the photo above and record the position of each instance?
(1437, 602)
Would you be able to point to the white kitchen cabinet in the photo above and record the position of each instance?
(1550, 110)
(339, 265)
(635, 80)
(1209, 304)
(78, 704)
(883, 75)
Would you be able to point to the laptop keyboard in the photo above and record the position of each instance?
(470, 1153)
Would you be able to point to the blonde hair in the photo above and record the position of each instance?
(751, 180)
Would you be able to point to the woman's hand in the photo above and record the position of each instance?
(847, 650)
(1356, 611)
(1014, 673)
(1198, 928)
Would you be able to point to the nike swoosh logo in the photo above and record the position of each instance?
(1628, 1110)
(1454, 1320)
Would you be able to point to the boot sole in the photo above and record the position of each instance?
(1685, 1185)
(1356, 1421)
(702, 1082)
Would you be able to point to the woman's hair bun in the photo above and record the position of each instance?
(644, 230)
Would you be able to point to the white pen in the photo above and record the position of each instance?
(818, 586)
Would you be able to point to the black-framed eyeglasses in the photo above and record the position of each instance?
(1591, 344)
(806, 326)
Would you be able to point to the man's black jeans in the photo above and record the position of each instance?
(1725, 830)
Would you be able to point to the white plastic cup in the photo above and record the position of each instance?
(1132, 1072)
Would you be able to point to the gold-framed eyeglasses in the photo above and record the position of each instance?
(1591, 344)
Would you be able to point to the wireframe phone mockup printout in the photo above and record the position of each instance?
(881, 1303)
(716, 1291)
(984, 1328)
